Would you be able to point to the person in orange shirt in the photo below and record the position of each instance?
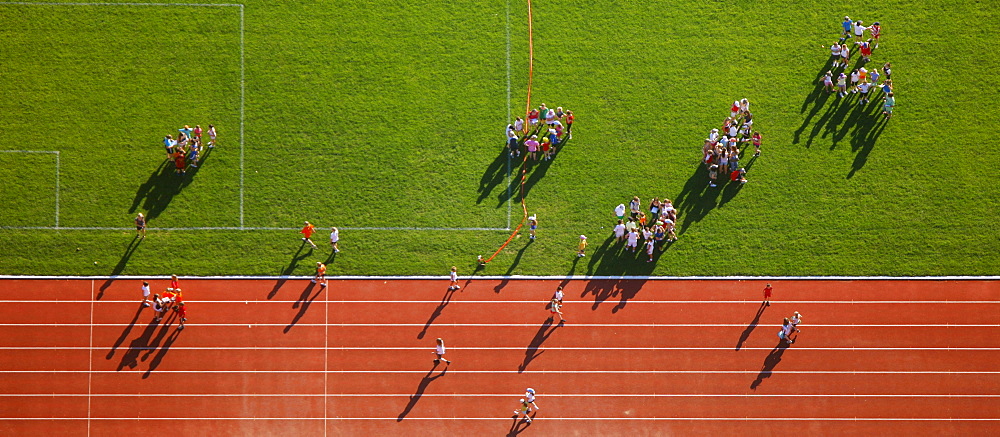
(307, 232)
(320, 274)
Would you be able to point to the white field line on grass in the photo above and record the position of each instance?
(44, 152)
(444, 279)
(242, 226)
(508, 419)
(488, 395)
(502, 348)
(539, 372)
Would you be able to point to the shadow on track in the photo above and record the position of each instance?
(288, 270)
(772, 360)
(532, 351)
(753, 325)
(305, 299)
(421, 387)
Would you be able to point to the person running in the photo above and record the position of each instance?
(888, 105)
(454, 279)
(182, 314)
(525, 408)
(767, 295)
(529, 397)
(532, 225)
(211, 136)
(555, 308)
(145, 294)
(581, 249)
(558, 294)
(320, 274)
(307, 232)
(160, 306)
(795, 320)
(140, 226)
(786, 331)
(334, 239)
(439, 352)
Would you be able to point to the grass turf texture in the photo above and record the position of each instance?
(391, 115)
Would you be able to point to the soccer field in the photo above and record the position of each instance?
(386, 120)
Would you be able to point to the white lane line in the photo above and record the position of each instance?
(485, 395)
(508, 419)
(517, 348)
(568, 302)
(516, 325)
(90, 361)
(541, 372)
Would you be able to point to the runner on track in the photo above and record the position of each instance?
(439, 352)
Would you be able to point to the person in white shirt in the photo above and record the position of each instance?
(454, 279)
(795, 320)
(835, 54)
(633, 241)
(620, 211)
(559, 294)
(620, 230)
(439, 351)
(864, 87)
(334, 239)
(859, 30)
(650, 245)
(529, 397)
(145, 294)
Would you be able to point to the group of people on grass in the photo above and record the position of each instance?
(721, 150)
(554, 126)
(654, 229)
(860, 80)
(185, 151)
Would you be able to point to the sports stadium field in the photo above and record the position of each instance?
(386, 120)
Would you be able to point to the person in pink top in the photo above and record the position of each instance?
(532, 145)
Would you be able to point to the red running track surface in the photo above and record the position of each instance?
(638, 357)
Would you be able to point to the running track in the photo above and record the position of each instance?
(656, 357)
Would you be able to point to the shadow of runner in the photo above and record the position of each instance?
(136, 346)
(155, 342)
(770, 362)
(288, 270)
(421, 387)
(155, 362)
(124, 334)
(120, 267)
(515, 428)
(303, 304)
(513, 265)
(753, 325)
(437, 311)
(532, 351)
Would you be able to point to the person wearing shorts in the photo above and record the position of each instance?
(529, 397)
(650, 246)
(180, 164)
(845, 55)
(555, 308)
(140, 226)
(159, 307)
(454, 279)
(569, 124)
(320, 274)
(888, 105)
(859, 30)
(512, 139)
(876, 31)
(846, 24)
(182, 314)
(525, 408)
(558, 294)
(307, 232)
(532, 118)
(581, 249)
(145, 294)
(795, 320)
(767, 295)
(211, 136)
(169, 144)
(334, 239)
(439, 352)
(632, 240)
(842, 85)
(786, 332)
(835, 55)
(532, 226)
(532, 145)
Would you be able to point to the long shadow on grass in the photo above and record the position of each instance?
(305, 300)
(863, 141)
(421, 388)
(494, 174)
(296, 257)
(160, 188)
(611, 259)
(697, 199)
(120, 267)
(533, 172)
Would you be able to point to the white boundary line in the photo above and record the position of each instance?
(43, 152)
(506, 348)
(509, 197)
(488, 395)
(541, 372)
(242, 102)
(533, 302)
(511, 325)
(525, 278)
(90, 361)
(508, 419)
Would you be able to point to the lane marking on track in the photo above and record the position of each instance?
(507, 419)
(488, 395)
(517, 348)
(569, 302)
(542, 372)
(520, 325)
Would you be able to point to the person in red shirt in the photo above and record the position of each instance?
(767, 295)
(182, 313)
(174, 283)
(738, 176)
(569, 124)
(307, 232)
(179, 162)
(320, 274)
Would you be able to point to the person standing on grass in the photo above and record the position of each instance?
(307, 232)
(866, 51)
(180, 163)
(876, 31)
(864, 87)
(532, 118)
(581, 250)
(887, 86)
(169, 144)
(650, 247)
(182, 314)
(454, 279)
(512, 142)
(140, 226)
(519, 124)
(845, 56)
(841, 85)
(439, 351)
(889, 105)
(145, 294)
(859, 30)
(525, 408)
(835, 55)
(828, 81)
(713, 175)
(855, 76)
(320, 274)
(874, 75)
(529, 397)
(767, 295)
(211, 136)
(846, 24)
(532, 145)
(795, 320)
(887, 70)
(634, 206)
(633, 240)
(555, 308)
(620, 211)
(532, 225)
(620, 231)
(334, 239)
(569, 124)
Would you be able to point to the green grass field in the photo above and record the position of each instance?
(388, 115)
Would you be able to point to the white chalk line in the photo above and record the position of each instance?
(488, 395)
(539, 372)
(508, 325)
(120, 4)
(508, 419)
(535, 302)
(242, 102)
(505, 348)
(236, 228)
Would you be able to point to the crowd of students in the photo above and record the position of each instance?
(554, 125)
(186, 150)
(860, 80)
(171, 299)
(721, 150)
(656, 228)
